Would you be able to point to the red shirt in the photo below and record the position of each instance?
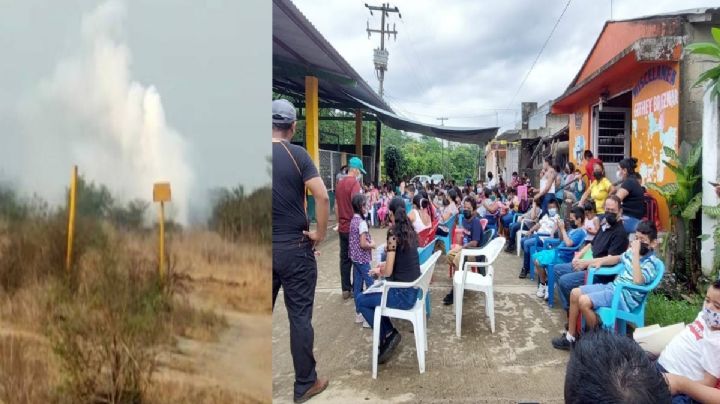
(589, 168)
(344, 191)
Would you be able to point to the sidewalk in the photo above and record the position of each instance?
(515, 364)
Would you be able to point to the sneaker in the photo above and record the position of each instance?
(540, 290)
(366, 324)
(359, 318)
(561, 342)
(346, 294)
(387, 349)
(523, 273)
(546, 294)
(317, 388)
(448, 299)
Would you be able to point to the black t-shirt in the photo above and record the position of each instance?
(289, 218)
(633, 204)
(406, 267)
(611, 241)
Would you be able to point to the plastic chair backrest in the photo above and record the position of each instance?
(424, 253)
(654, 284)
(483, 223)
(426, 271)
(490, 252)
(488, 235)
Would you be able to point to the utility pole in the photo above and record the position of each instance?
(442, 141)
(380, 57)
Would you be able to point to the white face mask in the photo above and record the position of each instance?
(618, 174)
(552, 212)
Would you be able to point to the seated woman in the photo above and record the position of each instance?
(598, 190)
(526, 220)
(546, 227)
(419, 216)
(513, 204)
(402, 265)
(572, 237)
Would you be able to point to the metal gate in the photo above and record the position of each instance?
(331, 162)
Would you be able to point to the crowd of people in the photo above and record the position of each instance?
(588, 221)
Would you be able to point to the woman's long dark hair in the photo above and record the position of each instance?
(403, 229)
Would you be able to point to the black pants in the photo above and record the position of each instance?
(295, 269)
(345, 262)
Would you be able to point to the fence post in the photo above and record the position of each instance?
(71, 217)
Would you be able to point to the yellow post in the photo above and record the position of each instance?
(161, 268)
(161, 193)
(358, 133)
(312, 116)
(71, 217)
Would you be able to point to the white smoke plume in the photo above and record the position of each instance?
(91, 112)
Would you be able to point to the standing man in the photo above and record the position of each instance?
(346, 188)
(294, 265)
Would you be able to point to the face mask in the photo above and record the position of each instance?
(611, 218)
(598, 174)
(644, 249)
(552, 212)
(711, 318)
(467, 213)
(492, 198)
(573, 225)
(618, 174)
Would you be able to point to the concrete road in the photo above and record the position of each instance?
(515, 364)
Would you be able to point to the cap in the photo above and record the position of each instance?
(283, 111)
(356, 163)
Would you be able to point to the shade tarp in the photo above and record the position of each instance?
(450, 133)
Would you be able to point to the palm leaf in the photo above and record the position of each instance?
(704, 48)
(671, 153)
(704, 237)
(679, 172)
(715, 34)
(666, 191)
(691, 209)
(712, 211)
(695, 155)
(711, 74)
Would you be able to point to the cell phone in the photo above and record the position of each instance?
(715, 184)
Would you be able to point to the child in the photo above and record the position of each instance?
(360, 245)
(692, 359)
(640, 267)
(546, 227)
(592, 222)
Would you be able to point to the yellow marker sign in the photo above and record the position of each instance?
(161, 193)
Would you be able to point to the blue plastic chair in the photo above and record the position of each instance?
(611, 317)
(447, 240)
(424, 253)
(557, 245)
(534, 249)
(492, 222)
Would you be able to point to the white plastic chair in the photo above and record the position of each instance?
(466, 279)
(416, 315)
(519, 235)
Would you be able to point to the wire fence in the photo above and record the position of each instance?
(332, 161)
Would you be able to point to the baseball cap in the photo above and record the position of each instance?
(356, 163)
(283, 111)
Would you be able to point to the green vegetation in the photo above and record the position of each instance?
(242, 217)
(663, 311)
(684, 198)
(711, 49)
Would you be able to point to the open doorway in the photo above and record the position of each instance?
(611, 132)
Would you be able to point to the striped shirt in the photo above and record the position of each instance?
(648, 266)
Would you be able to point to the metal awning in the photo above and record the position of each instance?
(300, 50)
(450, 133)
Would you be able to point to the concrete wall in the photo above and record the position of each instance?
(710, 172)
(691, 98)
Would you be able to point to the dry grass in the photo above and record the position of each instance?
(26, 374)
(192, 393)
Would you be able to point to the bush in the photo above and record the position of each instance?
(240, 217)
(664, 311)
(23, 373)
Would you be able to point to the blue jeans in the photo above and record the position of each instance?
(361, 274)
(514, 227)
(567, 280)
(507, 219)
(527, 244)
(630, 224)
(402, 299)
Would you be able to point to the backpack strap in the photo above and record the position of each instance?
(305, 190)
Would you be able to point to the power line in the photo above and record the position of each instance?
(539, 53)
(380, 58)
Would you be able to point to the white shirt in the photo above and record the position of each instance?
(694, 351)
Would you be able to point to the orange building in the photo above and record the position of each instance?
(634, 95)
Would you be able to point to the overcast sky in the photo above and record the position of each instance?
(209, 62)
(465, 59)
